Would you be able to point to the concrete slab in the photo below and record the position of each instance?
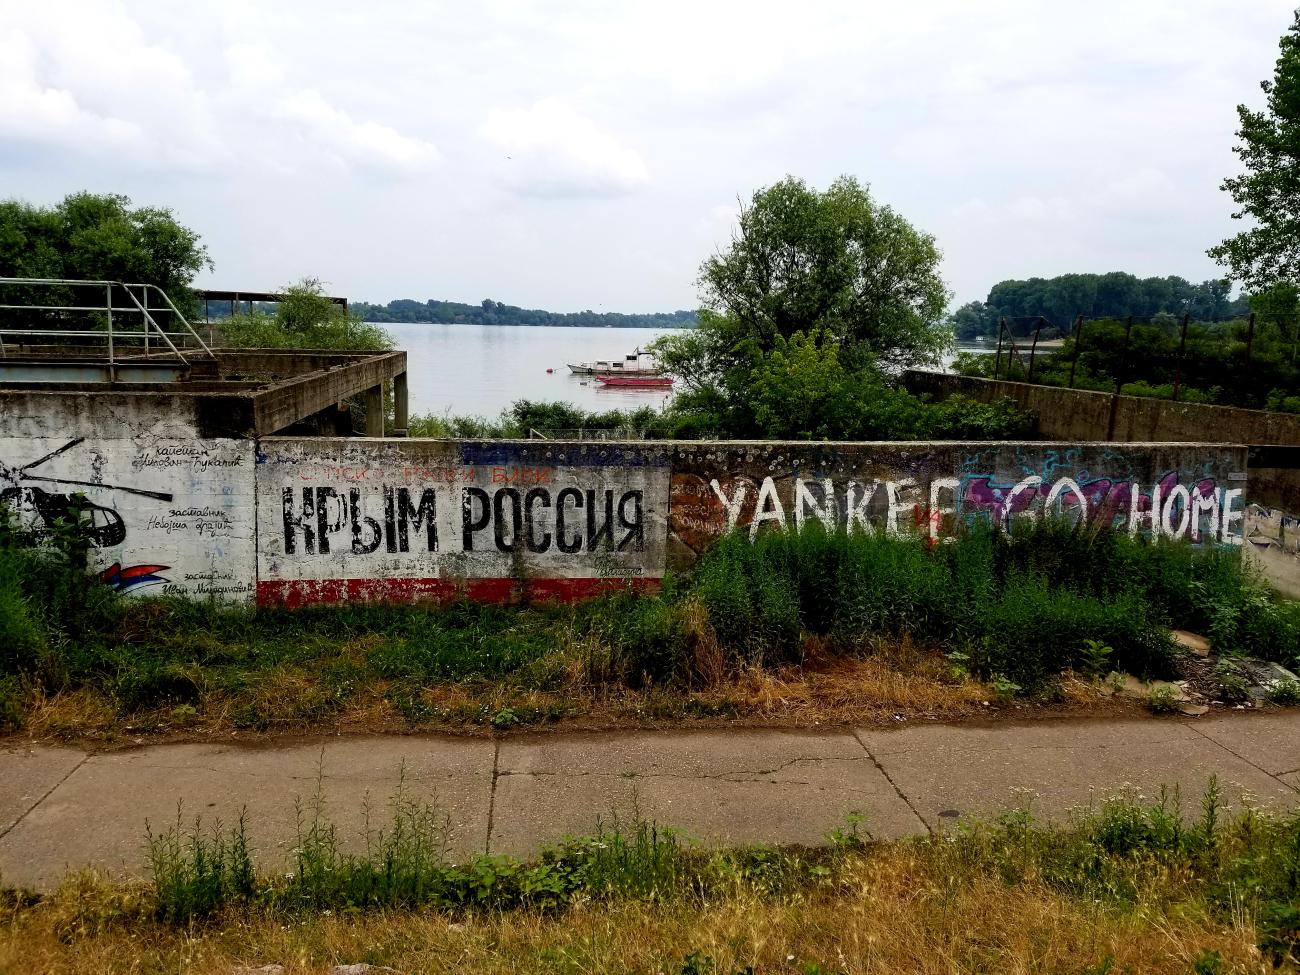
(98, 815)
(27, 773)
(718, 787)
(948, 772)
(1271, 741)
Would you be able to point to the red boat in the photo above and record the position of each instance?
(650, 382)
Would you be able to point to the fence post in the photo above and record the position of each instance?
(108, 309)
(1033, 349)
(1123, 356)
(1178, 367)
(1078, 345)
(997, 363)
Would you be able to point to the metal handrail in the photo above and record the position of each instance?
(147, 320)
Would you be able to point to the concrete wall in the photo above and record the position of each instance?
(1273, 522)
(292, 521)
(411, 519)
(165, 511)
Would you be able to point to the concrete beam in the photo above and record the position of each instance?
(286, 403)
(401, 405)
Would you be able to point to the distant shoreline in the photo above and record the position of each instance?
(608, 328)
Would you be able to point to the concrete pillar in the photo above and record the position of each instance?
(400, 405)
(375, 411)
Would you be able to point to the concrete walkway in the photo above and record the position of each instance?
(62, 808)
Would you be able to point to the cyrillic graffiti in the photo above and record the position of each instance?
(322, 520)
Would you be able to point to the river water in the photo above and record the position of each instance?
(482, 369)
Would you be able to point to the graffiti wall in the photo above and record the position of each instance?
(411, 519)
(1195, 493)
(163, 515)
(289, 521)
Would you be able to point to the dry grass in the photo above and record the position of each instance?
(891, 682)
(890, 912)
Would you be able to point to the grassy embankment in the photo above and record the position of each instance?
(1128, 885)
(795, 628)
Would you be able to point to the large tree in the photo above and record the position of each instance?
(100, 237)
(1268, 192)
(819, 295)
(835, 261)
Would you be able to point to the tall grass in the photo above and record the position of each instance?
(1020, 606)
(1122, 854)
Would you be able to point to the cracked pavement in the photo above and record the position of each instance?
(63, 809)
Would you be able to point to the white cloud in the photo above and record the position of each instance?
(286, 132)
(553, 151)
(366, 144)
(88, 77)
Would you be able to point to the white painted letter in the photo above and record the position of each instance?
(1166, 521)
(1228, 516)
(804, 499)
(1202, 503)
(1032, 481)
(732, 504)
(1135, 516)
(896, 505)
(1059, 488)
(762, 513)
(856, 511)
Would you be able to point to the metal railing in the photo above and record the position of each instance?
(113, 333)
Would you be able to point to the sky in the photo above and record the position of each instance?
(590, 153)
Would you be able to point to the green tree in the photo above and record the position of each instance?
(819, 295)
(304, 319)
(1268, 192)
(101, 237)
(836, 262)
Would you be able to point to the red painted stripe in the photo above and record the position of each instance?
(310, 592)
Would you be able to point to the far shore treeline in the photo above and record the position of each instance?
(489, 312)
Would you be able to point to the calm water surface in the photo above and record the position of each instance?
(482, 369)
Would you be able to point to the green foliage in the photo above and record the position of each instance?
(304, 318)
(1266, 193)
(1061, 299)
(195, 872)
(101, 237)
(489, 312)
(1213, 367)
(817, 300)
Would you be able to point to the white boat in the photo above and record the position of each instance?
(637, 364)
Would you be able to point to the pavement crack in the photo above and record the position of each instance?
(894, 785)
(1240, 757)
(492, 794)
(48, 792)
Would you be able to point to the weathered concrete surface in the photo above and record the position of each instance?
(98, 815)
(1273, 515)
(28, 774)
(62, 809)
(722, 787)
(949, 771)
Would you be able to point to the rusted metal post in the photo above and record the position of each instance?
(1078, 345)
(1123, 356)
(1178, 367)
(997, 363)
(1033, 349)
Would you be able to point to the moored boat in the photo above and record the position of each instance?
(637, 364)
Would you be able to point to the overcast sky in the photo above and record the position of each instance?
(588, 153)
